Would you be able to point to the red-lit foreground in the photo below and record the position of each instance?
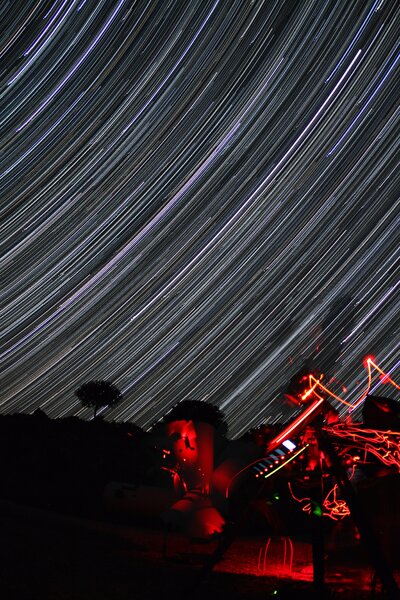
(48, 556)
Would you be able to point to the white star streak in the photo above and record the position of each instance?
(196, 198)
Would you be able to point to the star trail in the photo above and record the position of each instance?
(197, 198)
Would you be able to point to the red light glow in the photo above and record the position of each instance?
(384, 445)
(295, 424)
(332, 507)
(369, 363)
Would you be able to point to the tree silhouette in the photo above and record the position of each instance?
(198, 410)
(97, 394)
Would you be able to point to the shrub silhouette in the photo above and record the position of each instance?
(98, 393)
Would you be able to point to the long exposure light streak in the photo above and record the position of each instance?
(285, 462)
(384, 445)
(196, 199)
(332, 506)
(315, 384)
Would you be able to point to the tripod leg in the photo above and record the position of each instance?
(317, 537)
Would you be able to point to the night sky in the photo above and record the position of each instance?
(196, 199)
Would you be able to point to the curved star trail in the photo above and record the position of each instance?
(196, 199)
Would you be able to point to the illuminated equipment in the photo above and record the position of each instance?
(278, 467)
(279, 458)
(310, 413)
(310, 435)
(231, 469)
(312, 418)
(193, 449)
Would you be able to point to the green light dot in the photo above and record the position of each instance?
(317, 511)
